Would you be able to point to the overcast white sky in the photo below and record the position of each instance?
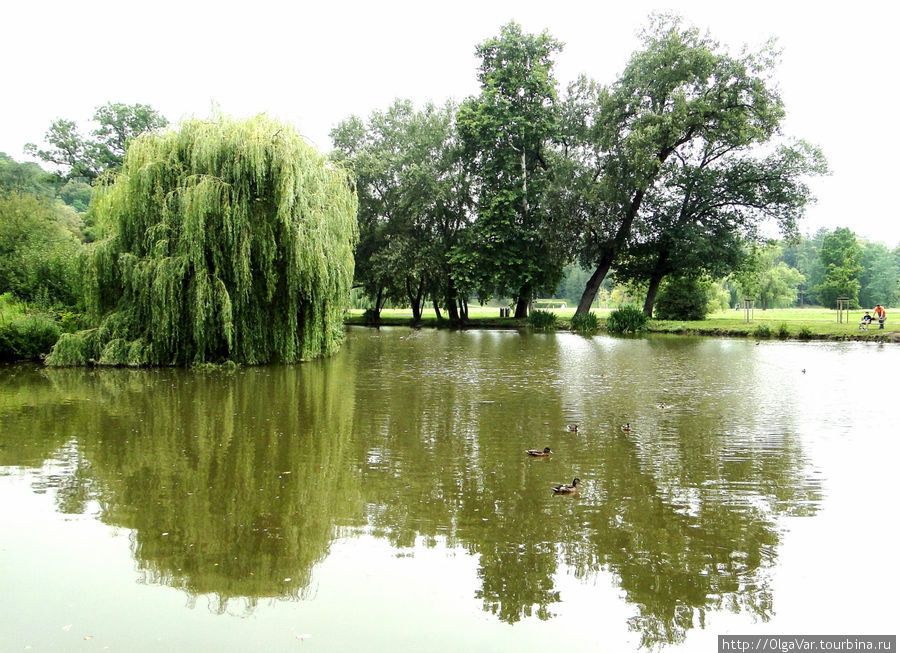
(315, 64)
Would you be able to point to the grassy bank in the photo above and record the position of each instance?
(784, 323)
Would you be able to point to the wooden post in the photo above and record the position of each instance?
(748, 309)
(843, 309)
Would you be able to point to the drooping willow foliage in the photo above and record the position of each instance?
(223, 241)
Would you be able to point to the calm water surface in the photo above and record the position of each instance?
(381, 500)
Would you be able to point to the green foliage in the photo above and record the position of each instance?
(586, 324)
(762, 332)
(39, 255)
(764, 277)
(87, 158)
(542, 319)
(682, 299)
(222, 241)
(515, 250)
(628, 319)
(840, 255)
(413, 201)
(27, 337)
(805, 333)
(783, 332)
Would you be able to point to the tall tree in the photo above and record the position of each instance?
(221, 241)
(681, 92)
(706, 205)
(505, 131)
(880, 278)
(87, 157)
(414, 202)
(840, 256)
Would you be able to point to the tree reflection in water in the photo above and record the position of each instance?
(234, 484)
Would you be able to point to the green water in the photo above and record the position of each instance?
(382, 500)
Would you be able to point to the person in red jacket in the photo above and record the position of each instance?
(880, 315)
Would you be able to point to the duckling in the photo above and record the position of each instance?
(626, 427)
(538, 452)
(567, 489)
(572, 428)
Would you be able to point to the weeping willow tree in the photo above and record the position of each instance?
(224, 241)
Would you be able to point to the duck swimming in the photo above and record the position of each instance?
(572, 428)
(538, 452)
(626, 427)
(567, 489)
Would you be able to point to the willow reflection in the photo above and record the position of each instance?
(234, 482)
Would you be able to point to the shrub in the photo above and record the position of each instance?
(585, 324)
(626, 319)
(542, 319)
(682, 299)
(370, 316)
(805, 333)
(762, 331)
(782, 331)
(82, 348)
(27, 337)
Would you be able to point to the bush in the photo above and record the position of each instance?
(762, 331)
(682, 299)
(626, 319)
(73, 349)
(805, 333)
(782, 331)
(542, 319)
(370, 316)
(27, 337)
(585, 324)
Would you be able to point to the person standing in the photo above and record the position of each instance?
(881, 315)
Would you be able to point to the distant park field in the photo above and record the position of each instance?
(811, 322)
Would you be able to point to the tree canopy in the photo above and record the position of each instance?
(504, 133)
(221, 241)
(80, 157)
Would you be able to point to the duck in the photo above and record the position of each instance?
(567, 489)
(538, 452)
(626, 427)
(572, 428)
(663, 406)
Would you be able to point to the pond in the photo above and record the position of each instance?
(382, 500)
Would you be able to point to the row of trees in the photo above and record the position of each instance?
(666, 173)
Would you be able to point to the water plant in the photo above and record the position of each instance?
(628, 319)
(542, 319)
(586, 324)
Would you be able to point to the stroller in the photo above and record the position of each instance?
(865, 322)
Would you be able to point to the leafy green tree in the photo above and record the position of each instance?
(515, 250)
(802, 253)
(221, 241)
(38, 250)
(766, 278)
(680, 93)
(682, 298)
(840, 255)
(704, 208)
(104, 149)
(880, 277)
(413, 203)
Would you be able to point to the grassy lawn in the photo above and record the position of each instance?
(793, 323)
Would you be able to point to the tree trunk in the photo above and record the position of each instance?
(659, 271)
(378, 303)
(437, 308)
(609, 256)
(415, 300)
(522, 303)
(450, 301)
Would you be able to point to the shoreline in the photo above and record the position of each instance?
(655, 327)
